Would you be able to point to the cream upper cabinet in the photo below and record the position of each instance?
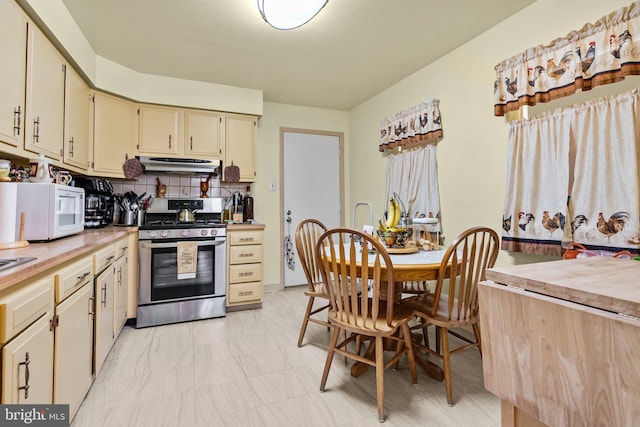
(77, 121)
(240, 145)
(204, 134)
(44, 123)
(13, 46)
(115, 132)
(159, 130)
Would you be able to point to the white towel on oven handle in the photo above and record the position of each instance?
(187, 260)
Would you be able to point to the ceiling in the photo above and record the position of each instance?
(352, 50)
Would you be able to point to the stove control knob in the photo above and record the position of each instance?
(203, 232)
(152, 234)
(214, 232)
(164, 233)
(184, 233)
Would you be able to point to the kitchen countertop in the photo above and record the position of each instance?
(52, 254)
(602, 282)
(245, 226)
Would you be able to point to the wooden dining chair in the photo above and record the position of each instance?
(374, 314)
(307, 234)
(455, 305)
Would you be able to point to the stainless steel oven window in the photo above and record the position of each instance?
(158, 272)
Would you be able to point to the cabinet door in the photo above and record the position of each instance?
(159, 130)
(121, 291)
(77, 122)
(44, 126)
(104, 335)
(240, 145)
(115, 133)
(72, 372)
(13, 47)
(28, 360)
(204, 134)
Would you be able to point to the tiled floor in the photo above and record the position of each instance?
(245, 370)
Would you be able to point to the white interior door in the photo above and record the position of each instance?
(311, 188)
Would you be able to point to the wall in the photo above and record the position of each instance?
(267, 203)
(472, 154)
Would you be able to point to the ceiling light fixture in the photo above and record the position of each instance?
(289, 14)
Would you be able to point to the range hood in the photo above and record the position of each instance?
(179, 165)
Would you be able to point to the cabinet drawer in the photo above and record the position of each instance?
(245, 237)
(102, 258)
(73, 277)
(241, 273)
(245, 254)
(121, 247)
(245, 292)
(20, 308)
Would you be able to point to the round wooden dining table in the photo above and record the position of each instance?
(411, 267)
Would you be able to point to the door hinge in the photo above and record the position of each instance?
(54, 322)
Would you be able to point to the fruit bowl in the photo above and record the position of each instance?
(395, 238)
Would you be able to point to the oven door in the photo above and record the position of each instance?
(159, 279)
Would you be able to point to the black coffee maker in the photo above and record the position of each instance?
(99, 201)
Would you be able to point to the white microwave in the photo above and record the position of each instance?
(51, 210)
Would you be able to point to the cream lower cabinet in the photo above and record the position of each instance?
(26, 333)
(121, 285)
(73, 373)
(73, 362)
(104, 335)
(245, 267)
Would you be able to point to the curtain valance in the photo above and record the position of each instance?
(600, 53)
(418, 123)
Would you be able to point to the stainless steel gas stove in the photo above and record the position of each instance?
(182, 274)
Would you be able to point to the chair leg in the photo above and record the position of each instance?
(327, 364)
(305, 321)
(380, 377)
(438, 340)
(406, 333)
(344, 337)
(425, 335)
(446, 361)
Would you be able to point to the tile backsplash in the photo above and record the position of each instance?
(177, 185)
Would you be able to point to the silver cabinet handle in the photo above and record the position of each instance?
(71, 147)
(169, 141)
(25, 387)
(17, 112)
(36, 129)
(104, 294)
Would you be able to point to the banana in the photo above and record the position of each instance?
(391, 214)
(396, 212)
(382, 226)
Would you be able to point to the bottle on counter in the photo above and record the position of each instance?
(248, 206)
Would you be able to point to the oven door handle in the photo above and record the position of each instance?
(146, 245)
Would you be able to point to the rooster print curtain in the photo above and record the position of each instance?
(574, 175)
(598, 54)
(535, 208)
(416, 124)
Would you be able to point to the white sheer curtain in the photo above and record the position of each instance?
(413, 174)
(576, 169)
